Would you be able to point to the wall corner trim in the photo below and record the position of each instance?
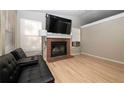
(104, 20)
(99, 57)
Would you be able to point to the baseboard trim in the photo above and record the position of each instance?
(74, 54)
(108, 59)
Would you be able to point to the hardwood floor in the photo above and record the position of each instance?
(84, 68)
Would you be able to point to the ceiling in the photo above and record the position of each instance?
(94, 15)
(84, 16)
(76, 13)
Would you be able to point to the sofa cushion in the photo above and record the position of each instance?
(39, 73)
(34, 74)
(46, 73)
(9, 70)
(29, 73)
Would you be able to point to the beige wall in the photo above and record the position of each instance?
(0, 36)
(105, 39)
(7, 30)
(10, 30)
(2, 31)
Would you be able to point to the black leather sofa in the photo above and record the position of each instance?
(24, 70)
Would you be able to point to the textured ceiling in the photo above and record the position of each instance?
(94, 15)
(85, 16)
(75, 13)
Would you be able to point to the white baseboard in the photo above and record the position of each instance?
(108, 59)
(74, 54)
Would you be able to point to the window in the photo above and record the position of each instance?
(9, 42)
(29, 35)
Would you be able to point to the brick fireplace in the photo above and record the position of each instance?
(58, 48)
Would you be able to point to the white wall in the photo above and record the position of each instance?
(40, 16)
(75, 34)
(104, 38)
(75, 37)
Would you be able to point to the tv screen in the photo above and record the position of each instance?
(56, 24)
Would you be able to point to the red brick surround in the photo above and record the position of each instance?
(49, 40)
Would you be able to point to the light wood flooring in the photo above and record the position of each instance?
(82, 69)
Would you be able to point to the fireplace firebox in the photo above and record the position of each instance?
(58, 49)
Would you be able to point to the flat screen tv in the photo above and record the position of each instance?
(55, 24)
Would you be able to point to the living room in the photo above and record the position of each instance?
(70, 46)
(51, 46)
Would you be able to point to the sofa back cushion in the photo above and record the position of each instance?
(18, 54)
(9, 69)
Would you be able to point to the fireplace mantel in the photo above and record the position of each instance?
(54, 35)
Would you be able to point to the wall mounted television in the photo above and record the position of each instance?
(55, 24)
